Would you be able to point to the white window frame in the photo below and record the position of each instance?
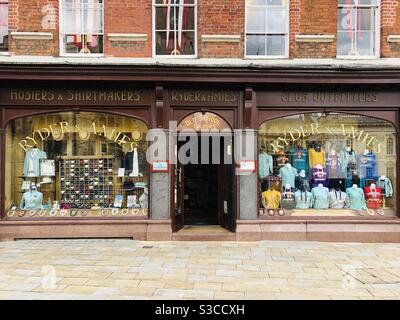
(377, 32)
(61, 43)
(6, 53)
(164, 56)
(286, 55)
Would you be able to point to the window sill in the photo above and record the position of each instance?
(168, 57)
(266, 57)
(358, 57)
(6, 54)
(82, 55)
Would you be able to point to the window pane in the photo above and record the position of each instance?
(276, 20)
(174, 2)
(92, 18)
(76, 168)
(346, 19)
(187, 43)
(344, 43)
(188, 19)
(256, 20)
(255, 45)
(365, 43)
(332, 169)
(3, 27)
(161, 44)
(83, 44)
(276, 45)
(366, 19)
(161, 18)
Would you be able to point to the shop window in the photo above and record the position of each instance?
(358, 28)
(76, 165)
(3, 26)
(82, 27)
(175, 27)
(389, 146)
(308, 167)
(267, 28)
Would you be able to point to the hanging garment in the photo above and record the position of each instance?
(367, 165)
(316, 157)
(302, 183)
(271, 199)
(348, 163)
(282, 159)
(333, 165)
(288, 200)
(143, 200)
(265, 165)
(319, 175)
(356, 198)
(303, 199)
(31, 200)
(299, 159)
(320, 197)
(386, 185)
(373, 197)
(338, 199)
(135, 164)
(288, 175)
(32, 162)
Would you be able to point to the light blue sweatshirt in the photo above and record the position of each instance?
(320, 197)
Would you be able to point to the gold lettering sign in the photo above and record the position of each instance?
(202, 96)
(58, 130)
(207, 121)
(307, 130)
(328, 97)
(18, 95)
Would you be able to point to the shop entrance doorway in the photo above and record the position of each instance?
(204, 184)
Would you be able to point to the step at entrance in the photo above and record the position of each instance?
(203, 233)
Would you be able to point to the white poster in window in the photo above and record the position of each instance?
(47, 168)
(131, 201)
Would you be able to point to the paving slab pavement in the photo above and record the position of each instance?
(266, 270)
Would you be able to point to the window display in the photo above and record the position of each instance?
(326, 164)
(66, 165)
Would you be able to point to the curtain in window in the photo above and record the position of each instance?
(86, 22)
(179, 17)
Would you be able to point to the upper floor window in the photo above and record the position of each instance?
(358, 28)
(3, 26)
(82, 27)
(389, 146)
(267, 28)
(175, 27)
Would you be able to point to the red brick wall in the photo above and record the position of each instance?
(390, 25)
(128, 16)
(215, 17)
(35, 16)
(313, 17)
(220, 17)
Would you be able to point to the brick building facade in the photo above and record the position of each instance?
(220, 28)
(311, 88)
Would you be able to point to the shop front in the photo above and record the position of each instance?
(328, 164)
(257, 161)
